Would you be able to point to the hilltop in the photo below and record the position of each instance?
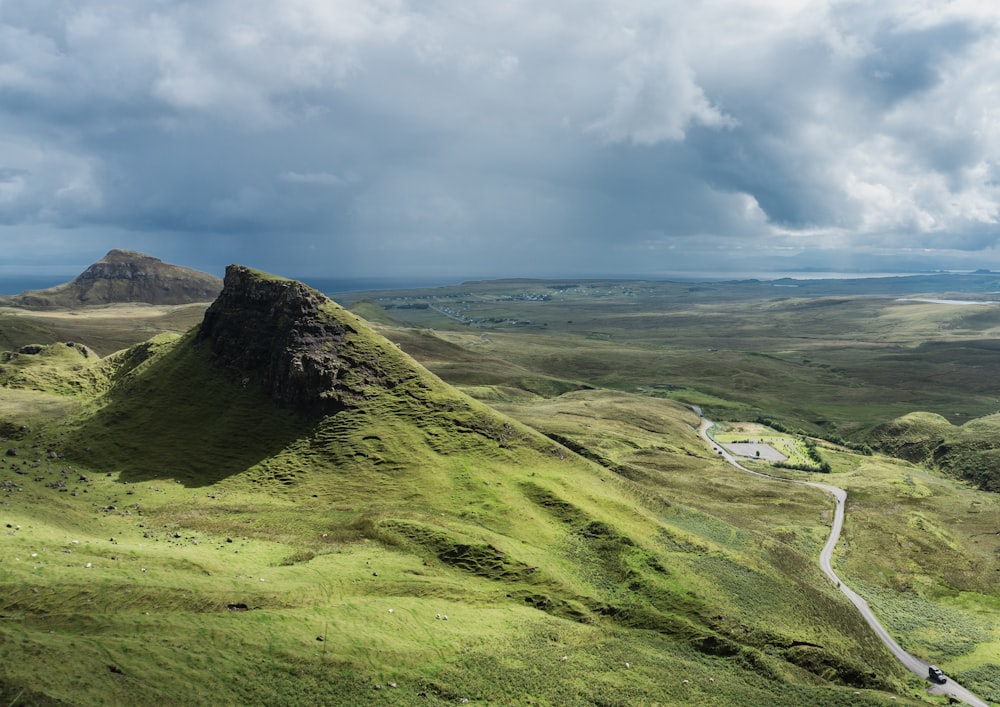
(124, 276)
(275, 357)
(969, 451)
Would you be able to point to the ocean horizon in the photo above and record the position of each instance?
(16, 284)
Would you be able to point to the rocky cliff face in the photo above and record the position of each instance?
(306, 350)
(126, 276)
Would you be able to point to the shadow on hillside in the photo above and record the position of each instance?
(181, 418)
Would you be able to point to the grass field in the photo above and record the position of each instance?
(172, 537)
(831, 365)
(169, 588)
(924, 550)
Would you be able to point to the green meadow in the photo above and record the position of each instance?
(537, 523)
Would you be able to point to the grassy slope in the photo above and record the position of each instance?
(922, 549)
(826, 364)
(105, 329)
(925, 552)
(836, 365)
(210, 498)
(969, 450)
(833, 366)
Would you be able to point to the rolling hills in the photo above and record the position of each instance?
(832, 359)
(969, 451)
(282, 506)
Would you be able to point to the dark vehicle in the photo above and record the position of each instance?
(934, 674)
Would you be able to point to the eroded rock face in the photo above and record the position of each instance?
(126, 276)
(284, 333)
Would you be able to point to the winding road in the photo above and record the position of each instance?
(910, 662)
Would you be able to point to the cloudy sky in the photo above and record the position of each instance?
(469, 138)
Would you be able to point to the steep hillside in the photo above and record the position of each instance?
(275, 357)
(282, 507)
(125, 276)
(970, 451)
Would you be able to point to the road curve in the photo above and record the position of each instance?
(910, 662)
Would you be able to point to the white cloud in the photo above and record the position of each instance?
(594, 127)
(657, 100)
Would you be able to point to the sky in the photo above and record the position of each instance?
(463, 138)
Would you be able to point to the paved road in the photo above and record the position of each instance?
(912, 663)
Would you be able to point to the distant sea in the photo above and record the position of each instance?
(15, 284)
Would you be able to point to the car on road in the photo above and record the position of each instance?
(934, 674)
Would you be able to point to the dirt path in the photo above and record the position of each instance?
(910, 662)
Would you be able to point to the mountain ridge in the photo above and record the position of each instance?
(124, 276)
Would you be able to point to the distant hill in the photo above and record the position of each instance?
(970, 451)
(125, 276)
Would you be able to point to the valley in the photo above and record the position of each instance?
(537, 522)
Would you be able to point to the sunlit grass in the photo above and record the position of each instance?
(225, 537)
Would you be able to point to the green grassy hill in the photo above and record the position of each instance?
(105, 329)
(970, 451)
(180, 530)
(835, 360)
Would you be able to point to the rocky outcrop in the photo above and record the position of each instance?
(126, 276)
(306, 350)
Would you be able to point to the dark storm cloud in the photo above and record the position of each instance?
(485, 138)
(905, 62)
